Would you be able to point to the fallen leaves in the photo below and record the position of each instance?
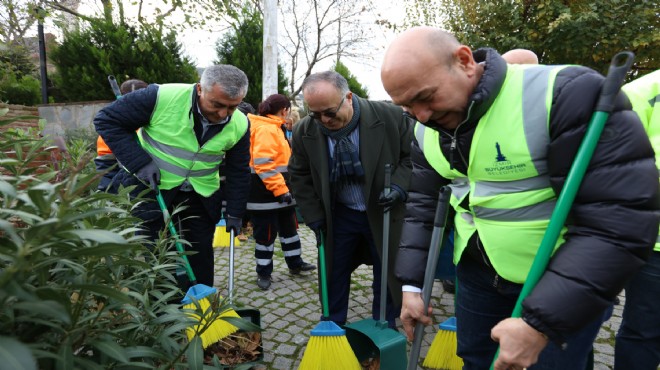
(238, 348)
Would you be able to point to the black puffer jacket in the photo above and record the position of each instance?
(614, 220)
(118, 122)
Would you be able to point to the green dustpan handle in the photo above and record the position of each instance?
(175, 235)
(324, 279)
(615, 76)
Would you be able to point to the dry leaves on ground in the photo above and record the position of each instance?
(235, 349)
(371, 364)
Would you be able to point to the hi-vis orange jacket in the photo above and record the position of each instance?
(101, 147)
(269, 157)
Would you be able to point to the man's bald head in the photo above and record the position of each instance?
(520, 56)
(416, 41)
(430, 74)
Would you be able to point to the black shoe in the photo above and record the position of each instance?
(263, 282)
(449, 286)
(303, 267)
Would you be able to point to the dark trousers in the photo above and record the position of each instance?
(480, 305)
(195, 226)
(350, 231)
(266, 225)
(638, 340)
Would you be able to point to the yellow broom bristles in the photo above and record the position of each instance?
(442, 353)
(216, 330)
(329, 353)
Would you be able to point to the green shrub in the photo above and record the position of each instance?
(79, 289)
(24, 90)
(18, 82)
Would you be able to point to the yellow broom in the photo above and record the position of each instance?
(210, 329)
(328, 348)
(221, 236)
(442, 353)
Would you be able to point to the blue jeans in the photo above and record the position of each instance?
(638, 340)
(480, 306)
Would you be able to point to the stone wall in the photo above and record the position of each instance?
(60, 118)
(69, 116)
(24, 124)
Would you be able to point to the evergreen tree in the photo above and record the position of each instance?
(243, 48)
(18, 82)
(86, 58)
(353, 84)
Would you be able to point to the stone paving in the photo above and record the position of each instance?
(290, 308)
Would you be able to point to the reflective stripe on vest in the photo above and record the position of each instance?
(171, 142)
(507, 187)
(644, 94)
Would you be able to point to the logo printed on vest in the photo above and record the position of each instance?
(502, 166)
(500, 157)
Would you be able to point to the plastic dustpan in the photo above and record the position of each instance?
(371, 338)
(255, 317)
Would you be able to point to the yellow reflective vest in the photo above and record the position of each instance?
(644, 94)
(506, 195)
(171, 142)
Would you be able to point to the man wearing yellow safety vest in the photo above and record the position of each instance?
(503, 137)
(186, 132)
(638, 340)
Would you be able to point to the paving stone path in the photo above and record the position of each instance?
(290, 308)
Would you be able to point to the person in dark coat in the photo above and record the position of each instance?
(186, 132)
(105, 160)
(337, 177)
(503, 137)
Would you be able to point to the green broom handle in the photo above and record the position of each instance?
(617, 72)
(179, 247)
(439, 223)
(324, 282)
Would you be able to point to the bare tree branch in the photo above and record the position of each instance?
(320, 30)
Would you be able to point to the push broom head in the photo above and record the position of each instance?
(328, 349)
(442, 353)
(210, 328)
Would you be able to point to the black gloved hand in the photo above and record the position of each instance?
(388, 201)
(149, 175)
(318, 227)
(234, 223)
(285, 198)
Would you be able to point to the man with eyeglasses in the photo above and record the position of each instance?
(337, 173)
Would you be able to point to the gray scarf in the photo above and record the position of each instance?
(345, 164)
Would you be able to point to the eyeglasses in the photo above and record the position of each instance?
(329, 114)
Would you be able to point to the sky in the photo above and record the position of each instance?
(200, 46)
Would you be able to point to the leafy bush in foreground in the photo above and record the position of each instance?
(79, 289)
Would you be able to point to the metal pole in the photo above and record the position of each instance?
(42, 58)
(269, 64)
